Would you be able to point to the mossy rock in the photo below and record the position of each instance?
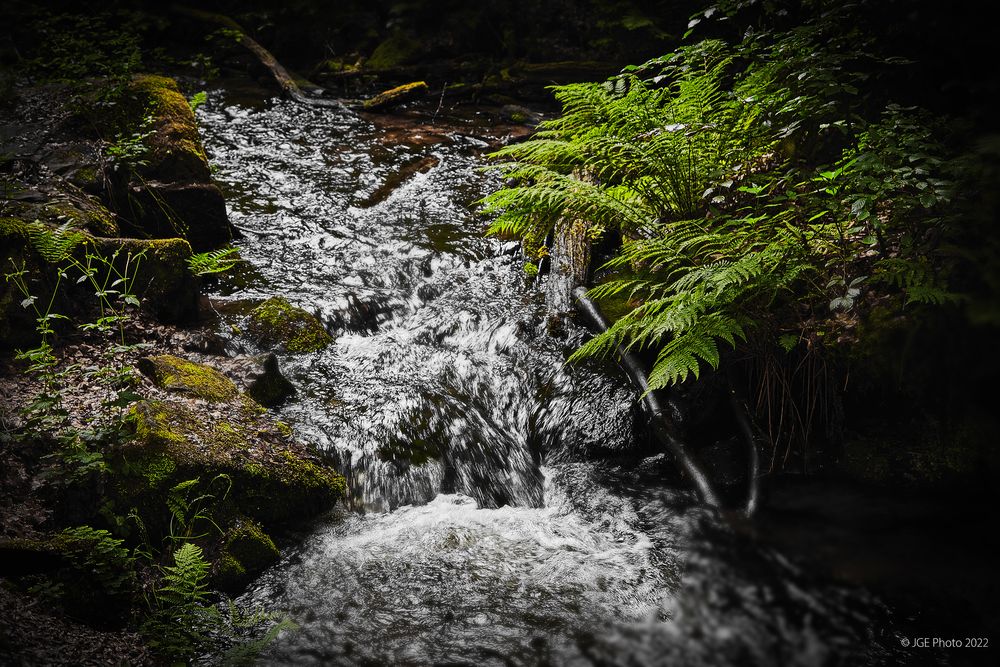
(193, 211)
(396, 96)
(247, 550)
(274, 480)
(168, 193)
(277, 323)
(163, 279)
(396, 50)
(175, 153)
(187, 377)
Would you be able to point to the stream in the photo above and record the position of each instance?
(499, 514)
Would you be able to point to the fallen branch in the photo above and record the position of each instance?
(663, 427)
(285, 81)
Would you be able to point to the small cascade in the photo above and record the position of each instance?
(499, 513)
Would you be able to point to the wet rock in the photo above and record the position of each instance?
(246, 551)
(521, 115)
(187, 377)
(193, 211)
(261, 378)
(396, 96)
(278, 324)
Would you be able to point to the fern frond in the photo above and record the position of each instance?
(54, 245)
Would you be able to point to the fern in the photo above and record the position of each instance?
(54, 245)
(184, 581)
(214, 261)
(188, 508)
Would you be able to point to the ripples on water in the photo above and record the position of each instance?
(488, 535)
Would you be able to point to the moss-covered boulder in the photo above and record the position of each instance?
(275, 479)
(396, 50)
(168, 192)
(278, 324)
(247, 550)
(396, 96)
(187, 377)
(162, 279)
(174, 150)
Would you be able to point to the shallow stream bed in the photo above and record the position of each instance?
(496, 517)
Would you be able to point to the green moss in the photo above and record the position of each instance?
(155, 423)
(533, 244)
(530, 269)
(90, 217)
(397, 95)
(284, 428)
(250, 546)
(174, 152)
(180, 375)
(398, 49)
(272, 481)
(13, 229)
(230, 575)
(278, 323)
(157, 469)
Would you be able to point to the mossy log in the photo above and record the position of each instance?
(396, 96)
(289, 86)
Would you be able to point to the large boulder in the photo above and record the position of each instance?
(275, 479)
(174, 152)
(193, 211)
(162, 277)
(168, 192)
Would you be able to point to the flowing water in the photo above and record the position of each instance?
(499, 514)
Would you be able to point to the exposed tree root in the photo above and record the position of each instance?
(663, 427)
